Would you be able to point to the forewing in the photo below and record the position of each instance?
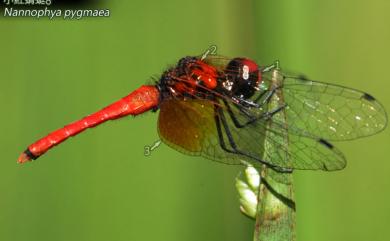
(332, 112)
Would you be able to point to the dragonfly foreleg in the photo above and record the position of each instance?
(267, 97)
(269, 114)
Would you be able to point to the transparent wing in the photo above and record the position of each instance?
(190, 126)
(284, 145)
(333, 112)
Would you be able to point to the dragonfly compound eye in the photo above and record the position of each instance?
(245, 76)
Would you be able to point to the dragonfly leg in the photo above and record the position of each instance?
(252, 119)
(234, 119)
(255, 103)
(267, 97)
(220, 134)
(220, 118)
(258, 98)
(270, 114)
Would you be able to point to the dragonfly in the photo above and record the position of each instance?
(217, 107)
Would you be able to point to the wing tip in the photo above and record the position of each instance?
(381, 110)
(341, 164)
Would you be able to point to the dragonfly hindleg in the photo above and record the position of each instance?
(220, 118)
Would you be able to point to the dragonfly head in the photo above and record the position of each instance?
(242, 77)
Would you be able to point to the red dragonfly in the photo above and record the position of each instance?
(216, 107)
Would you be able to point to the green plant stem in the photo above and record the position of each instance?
(275, 215)
(275, 219)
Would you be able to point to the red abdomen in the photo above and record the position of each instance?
(141, 100)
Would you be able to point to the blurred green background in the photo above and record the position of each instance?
(100, 186)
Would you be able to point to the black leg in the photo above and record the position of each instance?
(258, 98)
(271, 113)
(234, 118)
(267, 97)
(234, 146)
(220, 118)
(227, 130)
(252, 119)
(219, 131)
(255, 103)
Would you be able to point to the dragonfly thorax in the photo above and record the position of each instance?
(190, 77)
